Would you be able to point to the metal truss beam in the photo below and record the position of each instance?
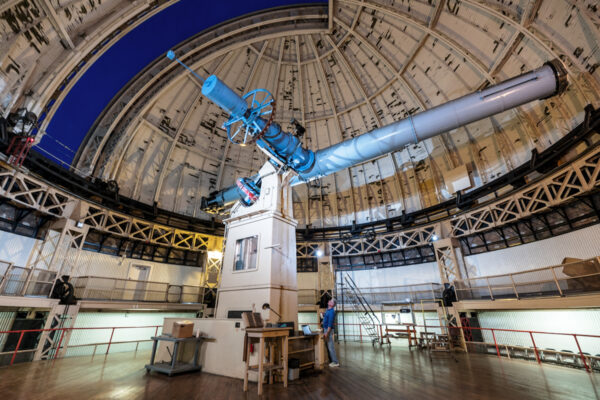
(579, 177)
(30, 192)
(105, 243)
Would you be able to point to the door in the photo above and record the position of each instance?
(139, 273)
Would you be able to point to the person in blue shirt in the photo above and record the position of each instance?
(328, 321)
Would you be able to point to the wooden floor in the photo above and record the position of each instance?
(366, 373)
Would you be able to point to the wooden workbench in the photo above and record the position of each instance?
(277, 340)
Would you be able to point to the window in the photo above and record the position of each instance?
(245, 253)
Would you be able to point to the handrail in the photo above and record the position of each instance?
(131, 280)
(562, 280)
(27, 282)
(414, 292)
(402, 286)
(122, 279)
(22, 332)
(597, 258)
(584, 357)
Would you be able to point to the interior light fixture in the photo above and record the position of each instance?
(215, 254)
(266, 306)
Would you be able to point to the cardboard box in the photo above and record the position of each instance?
(183, 329)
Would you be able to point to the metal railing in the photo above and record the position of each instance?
(20, 281)
(100, 288)
(583, 352)
(559, 280)
(112, 334)
(512, 343)
(398, 294)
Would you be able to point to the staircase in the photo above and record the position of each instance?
(368, 320)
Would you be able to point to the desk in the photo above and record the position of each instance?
(310, 350)
(174, 367)
(277, 339)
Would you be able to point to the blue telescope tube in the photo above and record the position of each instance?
(220, 94)
(287, 148)
(282, 145)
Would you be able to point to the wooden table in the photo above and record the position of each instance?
(277, 339)
(410, 331)
(311, 347)
(174, 367)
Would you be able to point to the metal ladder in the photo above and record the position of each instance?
(366, 316)
(451, 337)
(52, 344)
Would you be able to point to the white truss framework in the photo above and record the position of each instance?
(574, 179)
(577, 178)
(415, 237)
(34, 193)
(448, 261)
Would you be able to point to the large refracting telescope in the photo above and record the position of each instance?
(251, 121)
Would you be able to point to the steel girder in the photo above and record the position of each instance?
(553, 196)
(577, 178)
(30, 192)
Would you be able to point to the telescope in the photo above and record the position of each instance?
(251, 122)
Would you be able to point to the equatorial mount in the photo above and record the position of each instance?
(248, 128)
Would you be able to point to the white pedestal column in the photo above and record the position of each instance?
(267, 231)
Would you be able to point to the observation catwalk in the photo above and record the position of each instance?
(364, 374)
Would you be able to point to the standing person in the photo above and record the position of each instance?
(328, 321)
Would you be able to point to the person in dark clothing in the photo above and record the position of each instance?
(63, 290)
(57, 290)
(448, 295)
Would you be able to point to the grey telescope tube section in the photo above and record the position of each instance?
(537, 84)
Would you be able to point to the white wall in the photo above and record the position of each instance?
(397, 276)
(583, 243)
(120, 319)
(15, 248)
(105, 265)
(583, 321)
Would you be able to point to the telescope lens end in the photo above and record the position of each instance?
(560, 74)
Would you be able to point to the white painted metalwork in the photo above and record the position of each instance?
(574, 278)
(34, 193)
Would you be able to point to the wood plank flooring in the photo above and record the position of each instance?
(366, 373)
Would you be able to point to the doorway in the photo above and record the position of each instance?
(140, 274)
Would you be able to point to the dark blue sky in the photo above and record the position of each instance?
(103, 80)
